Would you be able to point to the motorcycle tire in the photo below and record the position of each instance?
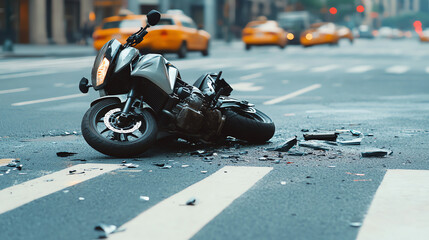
(122, 147)
(252, 126)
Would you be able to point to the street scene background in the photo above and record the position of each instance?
(371, 89)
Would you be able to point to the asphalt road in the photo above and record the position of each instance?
(378, 87)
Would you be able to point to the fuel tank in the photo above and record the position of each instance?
(153, 67)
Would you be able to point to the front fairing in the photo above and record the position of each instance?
(109, 51)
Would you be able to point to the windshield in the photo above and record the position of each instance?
(123, 24)
(165, 21)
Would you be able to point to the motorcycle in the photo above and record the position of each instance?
(159, 101)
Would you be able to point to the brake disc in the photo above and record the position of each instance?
(110, 120)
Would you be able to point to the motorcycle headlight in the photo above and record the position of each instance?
(102, 71)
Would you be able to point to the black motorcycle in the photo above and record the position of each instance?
(159, 101)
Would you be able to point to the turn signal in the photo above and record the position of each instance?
(102, 71)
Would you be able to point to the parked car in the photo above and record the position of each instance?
(320, 33)
(264, 32)
(294, 23)
(345, 32)
(364, 31)
(175, 33)
(424, 36)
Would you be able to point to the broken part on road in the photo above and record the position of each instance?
(327, 136)
(105, 230)
(376, 153)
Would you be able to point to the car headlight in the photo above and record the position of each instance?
(102, 71)
(309, 36)
(290, 36)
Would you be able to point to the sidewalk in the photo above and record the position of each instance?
(32, 50)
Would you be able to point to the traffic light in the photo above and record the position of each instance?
(360, 9)
(418, 26)
(333, 10)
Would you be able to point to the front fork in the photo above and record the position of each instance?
(130, 100)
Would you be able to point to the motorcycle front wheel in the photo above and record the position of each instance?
(248, 124)
(109, 132)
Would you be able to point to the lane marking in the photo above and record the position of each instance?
(14, 90)
(325, 68)
(292, 95)
(360, 69)
(250, 76)
(172, 219)
(398, 69)
(254, 66)
(427, 69)
(28, 74)
(21, 194)
(246, 87)
(400, 208)
(290, 68)
(49, 99)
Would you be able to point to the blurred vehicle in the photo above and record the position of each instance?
(364, 31)
(264, 32)
(320, 33)
(424, 36)
(345, 32)
(392, 33)
(175, 33)
(294, 23)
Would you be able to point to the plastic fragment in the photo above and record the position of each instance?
(355, 224)
(165, 167)
(144, 198)
(130, 165)
(376, 153)
(191, 201)
(328, 136)
(296, 153)
(105, 229)
(283, 182)
(277, 161)
(355, 141)
(288, 144)
(65, 154)
(81, 198)
(204, 172)
(355, 133)
(184, 166)
(314, 145)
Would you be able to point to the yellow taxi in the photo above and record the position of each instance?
(345, 32)
(424, 36)
(174, 33)
(320, 33)
(264, 32)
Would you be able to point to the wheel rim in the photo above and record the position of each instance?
(111, 125)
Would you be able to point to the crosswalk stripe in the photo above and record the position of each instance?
(292, 95)
(173, 219)
(246, 87)
(18, 195)
(14, 90)
(360, 69)
(325, 68)
(398, 69)
(49, 99)
(251, 76)
(400, 208)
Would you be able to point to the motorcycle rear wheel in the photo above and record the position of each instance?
(103, 131)
(248, 124)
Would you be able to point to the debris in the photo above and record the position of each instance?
(355, 141)
(82, 160)
(262, 159)
(296, 153)
(184, 166)
(66, 191)
(369, 135)
(191, 201)
(305, 130)
(289, 162)
(130, 165)
(355, 224)
(362, 180)
(81, 198)
(328, 136)
(65, 154)
(144, 198)
(202, 153)
(158, 164)
(243, 152)
(355, 133)
(331, 166)
(376, 153)
(288, 144)
(165, 167)
(277, 161)
(314, 145)
(283, 182)
(208, 159)
(105, 230)
(204, 172)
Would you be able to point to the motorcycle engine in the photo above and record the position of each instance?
(189, 112)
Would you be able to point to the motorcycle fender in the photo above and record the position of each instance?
(102, 98)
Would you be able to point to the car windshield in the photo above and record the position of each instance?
(264, 26)
(123, 24)
(165, 21)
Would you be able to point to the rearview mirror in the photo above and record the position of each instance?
(153, 17)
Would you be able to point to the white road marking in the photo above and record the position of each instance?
(427, 69)
(398, 69)
(172, 219)
(49, 99)
(28, 74)
(254, 66)
(21, 194)
(360, 69)
(290, 68)
(14, 90)
(292, 95)
(325, 68)
(400, 208)
(250, 76)
(246, 87)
